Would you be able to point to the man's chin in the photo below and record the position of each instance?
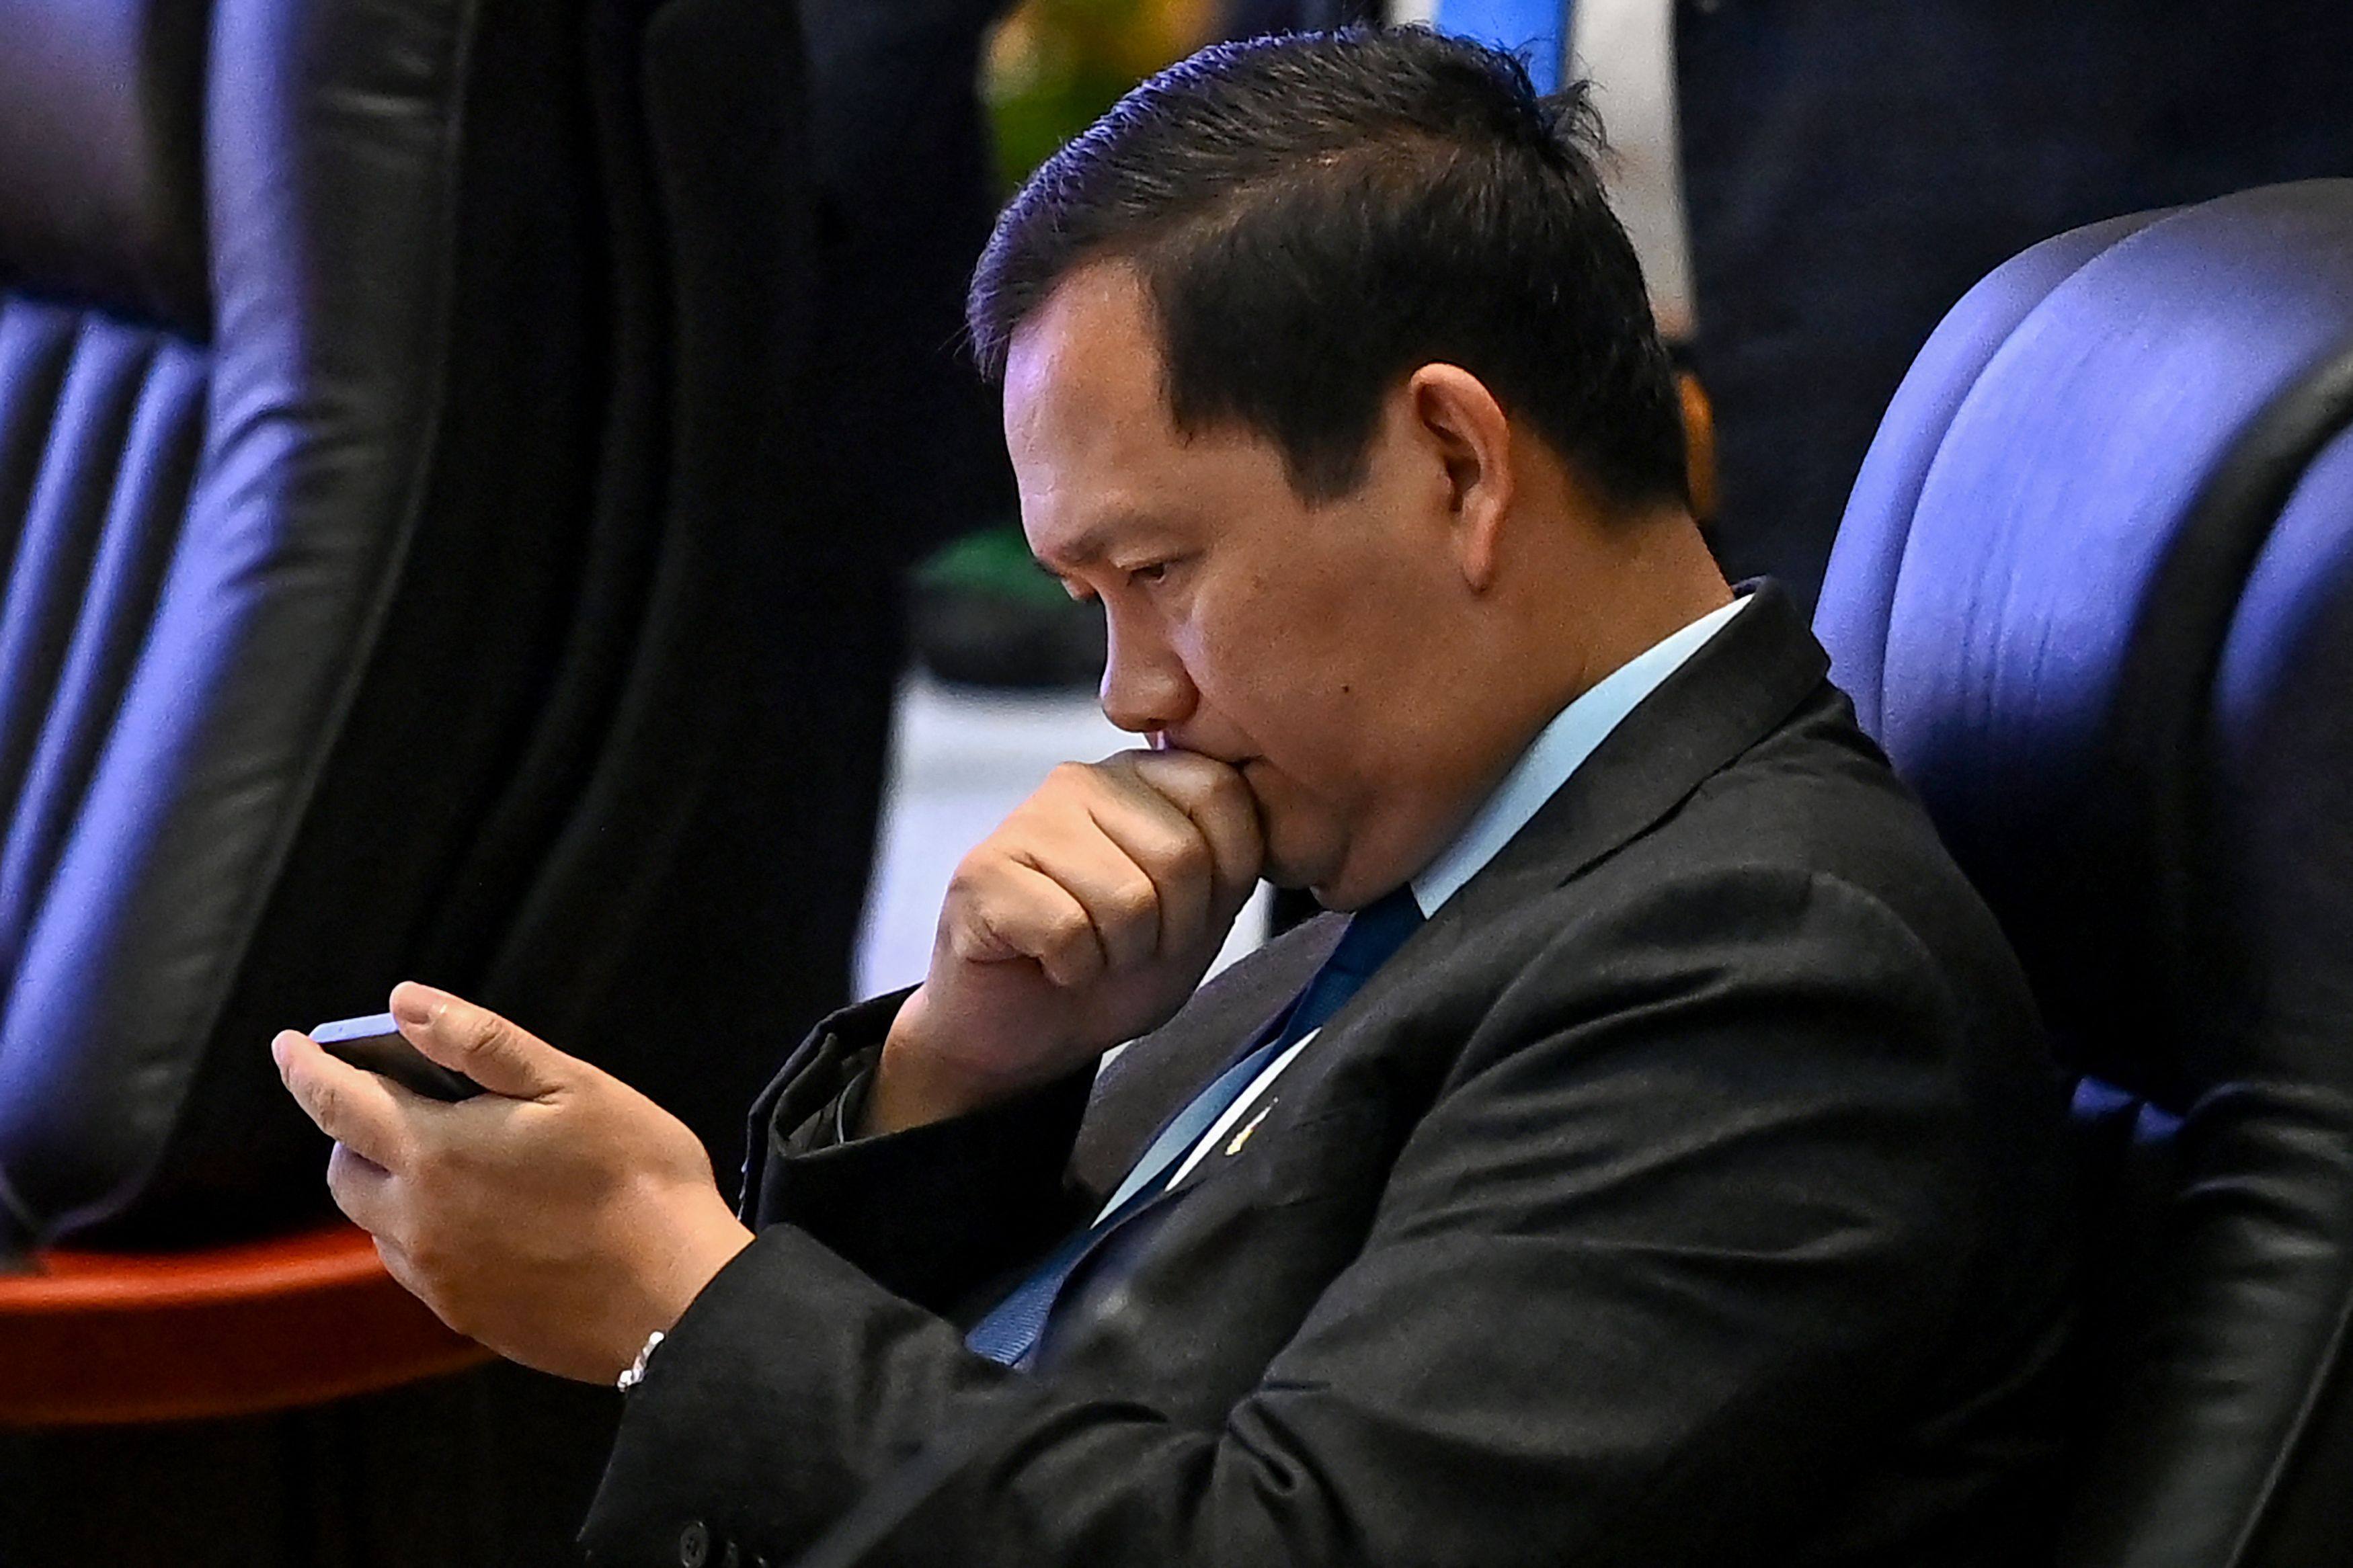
(1305, 846)
(1297, 872)
(1335, 882)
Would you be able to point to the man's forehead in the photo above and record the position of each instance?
(1092, 444)
(1102, 467)
(1091, 350)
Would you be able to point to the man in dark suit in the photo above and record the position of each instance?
(1658, 1165)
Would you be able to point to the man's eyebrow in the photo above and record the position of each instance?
(1092, 542)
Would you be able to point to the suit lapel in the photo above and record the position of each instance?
(1136, 1092)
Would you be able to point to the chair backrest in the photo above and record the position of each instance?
(374, 496)
(2095, 595)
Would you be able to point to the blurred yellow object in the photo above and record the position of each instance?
(1055, 65)
(1126, 38)
(1699, 445)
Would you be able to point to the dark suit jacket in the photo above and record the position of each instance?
(912, 451)
(1686, 1190)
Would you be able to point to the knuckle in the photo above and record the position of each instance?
(969, 914)
(1136, 900)
(1226, 787)
(963, 881)
(444, 1163)
(1070, 778)
(963, 943)
(350, 1198)
(1188, 854)
(428, 1252)
(1068, 930)
(980, 873)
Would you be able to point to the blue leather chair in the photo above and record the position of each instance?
(407, 566)
(2094, 596)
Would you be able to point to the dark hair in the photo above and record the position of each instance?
(1316, 216)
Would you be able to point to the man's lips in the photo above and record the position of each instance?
(1161, 741)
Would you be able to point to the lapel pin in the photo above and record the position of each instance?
(1242, 1137)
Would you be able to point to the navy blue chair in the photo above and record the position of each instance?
(408, 566)
(2094, 594)
(403, 570)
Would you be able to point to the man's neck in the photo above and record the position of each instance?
(1659, 578)
(1555, 752)
(1641, 580)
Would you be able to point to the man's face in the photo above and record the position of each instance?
(1302, 643)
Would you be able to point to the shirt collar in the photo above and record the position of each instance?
(1558, 751)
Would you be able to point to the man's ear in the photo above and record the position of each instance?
(1454, 412)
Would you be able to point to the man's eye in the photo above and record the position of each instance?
(1153, 572)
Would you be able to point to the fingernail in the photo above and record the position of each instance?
(278, 1047)
(417, 1004)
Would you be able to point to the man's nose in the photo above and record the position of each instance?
(1145, 685)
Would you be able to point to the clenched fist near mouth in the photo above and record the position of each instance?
(1085, 919)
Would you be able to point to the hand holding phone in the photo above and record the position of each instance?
(375, 1044)
(560, 1223)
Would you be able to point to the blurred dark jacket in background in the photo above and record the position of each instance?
(906, 449)
(913, 452)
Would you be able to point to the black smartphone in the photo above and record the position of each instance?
(376, 1044)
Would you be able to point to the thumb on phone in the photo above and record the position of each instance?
(502, 1057)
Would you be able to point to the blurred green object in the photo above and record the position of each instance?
(984, 614)
(993, 561)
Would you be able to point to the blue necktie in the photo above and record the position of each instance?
(1011, 1330)
(1537, 30)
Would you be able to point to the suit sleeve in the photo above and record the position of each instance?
(1683, 1226)
(936, 1214)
